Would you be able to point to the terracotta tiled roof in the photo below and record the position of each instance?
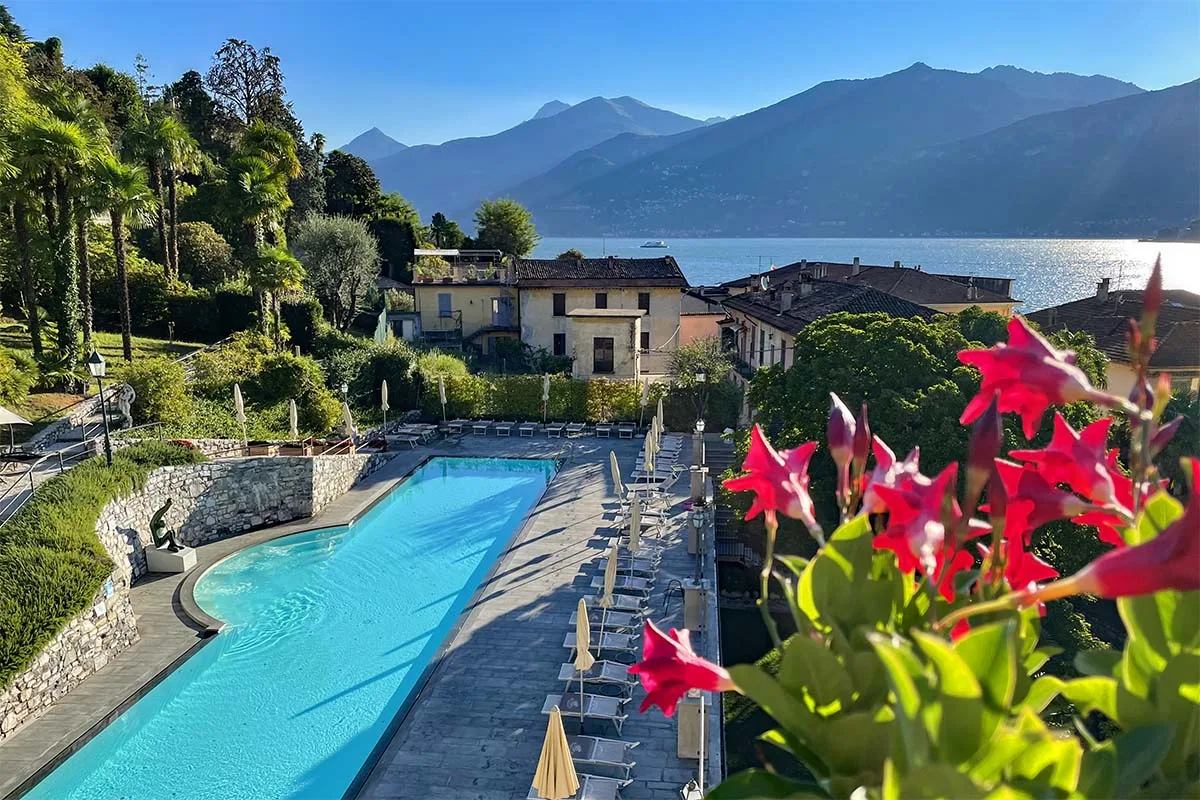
(826, 297)
(1178, 329)
(914, 285)
(600, 272)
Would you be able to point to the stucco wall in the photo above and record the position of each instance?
(538, 323)
(699, 326)
(210, 501)
(474, 301)
(624, 333)
(778, 343)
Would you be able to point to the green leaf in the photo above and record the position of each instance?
(938, 781)
(1159, 512)
(1183, 627)
(1103, 663)
(810, 671)
(911, 742)
(1051, 760)
(1043, 690)
(1038, 658)
(858, 743)
(1177, 698)
(1098, 771)
(869, 678)
(1138, 754)
(759, 783)
(991, 653)
(769, 695)
(960, 720)
(796, 564)
(802, 752)
(1096, 693)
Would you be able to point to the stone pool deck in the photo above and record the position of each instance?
(476, 728)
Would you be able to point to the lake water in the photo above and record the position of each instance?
(1046, 271)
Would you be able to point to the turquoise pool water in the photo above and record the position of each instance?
(328, 633)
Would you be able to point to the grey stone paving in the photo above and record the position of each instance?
(476, 729)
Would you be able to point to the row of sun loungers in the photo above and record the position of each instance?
(553, 430)
(605, 766)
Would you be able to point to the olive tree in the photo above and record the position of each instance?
(341, 259)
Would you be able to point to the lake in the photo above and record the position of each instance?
(1046, 271)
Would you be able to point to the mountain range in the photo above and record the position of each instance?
(921, 151)
(373, 145)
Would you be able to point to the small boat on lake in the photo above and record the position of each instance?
(655, 243)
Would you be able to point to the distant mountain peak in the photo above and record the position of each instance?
(372, 145)
(714, 120)
(550, 109)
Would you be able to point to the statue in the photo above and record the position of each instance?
(158, 530)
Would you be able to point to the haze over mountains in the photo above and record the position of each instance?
(921, 151)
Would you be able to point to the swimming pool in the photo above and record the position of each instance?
(327, 635)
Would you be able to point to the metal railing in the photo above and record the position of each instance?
(24, 484)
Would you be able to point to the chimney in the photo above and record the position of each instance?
(785, 301)
(972, 291)
(820, 270)
(1102, 290)
(1051, 317)
(803, 263)
(805, 287)
(857, 266)
(896, 265)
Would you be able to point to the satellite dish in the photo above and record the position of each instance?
(764, 282)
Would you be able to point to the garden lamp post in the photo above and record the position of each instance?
(701, 393)
(97, 367)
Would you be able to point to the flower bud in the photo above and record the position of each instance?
(840, 431)
(1162, 394)
(1162, 436)
(1152, 301)
(1141, 395)
(862, 441)
(997, 496)
(987, 434)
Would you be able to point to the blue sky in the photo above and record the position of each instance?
(431, 71)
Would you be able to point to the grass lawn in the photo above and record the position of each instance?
(109, 344)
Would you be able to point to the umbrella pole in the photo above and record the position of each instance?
(581, 701)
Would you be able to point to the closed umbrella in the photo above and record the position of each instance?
(383, 402)
(381, 328)
(606, 596)
(583, 655)
(648, 454)
(239, 411)
(555, 778)
(348, 422)
(545, 395)
(9, 418)
(645, 401)
(442, 394)
(293, 420)
(659, 414)
(616, 472)
(635, 531)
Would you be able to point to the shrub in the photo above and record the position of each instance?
(160, 388)
(51, 562)
(283, 377)
(215, 371)
(396, 300)
(18, 373)
(208, 315)
(303, 318)
(205, 257)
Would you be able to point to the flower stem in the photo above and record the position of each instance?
(764, 606)
(1004, 603)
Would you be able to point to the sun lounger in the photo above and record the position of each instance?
(626, 431)
(555, 430)
(613, 642)
(504, 428)
(595, 706)
(527, 429)
(612, 620)
(624, 583)
(576, 429)
(621, 602)
(602, 673)
(642, 567)
(457, 425)
(604, 430)
(596, 751)
(406, 438)
(592, 787)
(480, 427)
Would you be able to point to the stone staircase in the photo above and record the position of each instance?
(720, 455)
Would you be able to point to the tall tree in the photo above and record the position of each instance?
(341, 259)
(272, 272)
(351, 187)
(180, 156)
(144, 143)
(245, 80)
(505, 225)
(124, 192)
(198, 111)
(445, 232)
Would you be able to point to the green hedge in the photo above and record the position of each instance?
(51, 562)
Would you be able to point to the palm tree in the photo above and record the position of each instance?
(181, 155)
(142, 142)
(89, 202)
(274, 146)
(273, 272)
(128, 199)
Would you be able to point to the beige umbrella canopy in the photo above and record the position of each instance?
(9, 418)
(616, 472)
(555, 778)
(610, 582)
(293, 420)
(659, 415)
(648, 454)
(583, 655)
(635, 525)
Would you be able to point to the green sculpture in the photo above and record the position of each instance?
(159, 532)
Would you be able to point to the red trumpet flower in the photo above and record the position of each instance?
(1030, 375)
(1076, 459)
(1032, 501)
(779, 480)
(669, 668)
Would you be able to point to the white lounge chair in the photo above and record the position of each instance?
(457, 425)
(626, 430)
(555, 430)
(480, 427)
(576, 429)
(604, 430)
(595, 706)
(596, 751)
(612, 620)
(626, 584)
(592, 787)
(527, 429)
(621, 602)
(504, 428)
(610, 641)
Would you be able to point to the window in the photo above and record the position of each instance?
(645, 343)
(601, 299)
(560, 304)
(783, 352)
(644, 301)
(560, 344)
(444, 304)
(602, 354)
(502, 311)
(762, 345)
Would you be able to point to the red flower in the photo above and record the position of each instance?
(840, 431)
(1021, 567)
(1168, 561)
(889, 472)
(1109, 524)
(779, 480)
(1032, 501)
(1030, 376)
(669, 668)
(862, 441)
(919, 517)
(1076, 459)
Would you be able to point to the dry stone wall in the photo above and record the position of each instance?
(210, 501)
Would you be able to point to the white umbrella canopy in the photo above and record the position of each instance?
(9, 418)
(239, 405)
(635, 525)
(555, 778)
(659, 415)
(645, 401)
(583, 640)
(615, 469)
(293, 420)
(347, 420)
(648, 453)
(610, 581)
(383, 397)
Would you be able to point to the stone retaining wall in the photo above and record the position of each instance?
(210, 501)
